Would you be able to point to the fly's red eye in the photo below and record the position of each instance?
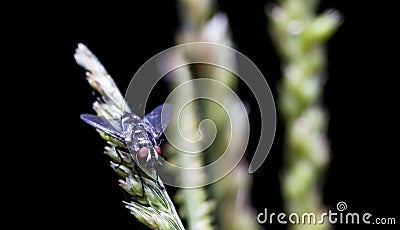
(158, 150)
(142, 154)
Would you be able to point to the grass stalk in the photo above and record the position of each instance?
(149, 202)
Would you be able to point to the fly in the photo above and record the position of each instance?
(142, 137)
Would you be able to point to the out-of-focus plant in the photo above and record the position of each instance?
(299, 35)
(230, 202)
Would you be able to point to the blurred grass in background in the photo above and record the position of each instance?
(226, 203)
(299, 35)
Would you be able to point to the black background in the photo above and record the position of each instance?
(55, 168)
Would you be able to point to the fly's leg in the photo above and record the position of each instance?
(120, 150)
(161, 141)
(158, 179)
(141, 180)
(158, 182)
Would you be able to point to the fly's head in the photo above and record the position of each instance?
(149, 157)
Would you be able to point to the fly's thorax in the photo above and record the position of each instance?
(131, 125)
(129, 120)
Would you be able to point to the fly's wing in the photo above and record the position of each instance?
(103, 125)
(157, 120)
